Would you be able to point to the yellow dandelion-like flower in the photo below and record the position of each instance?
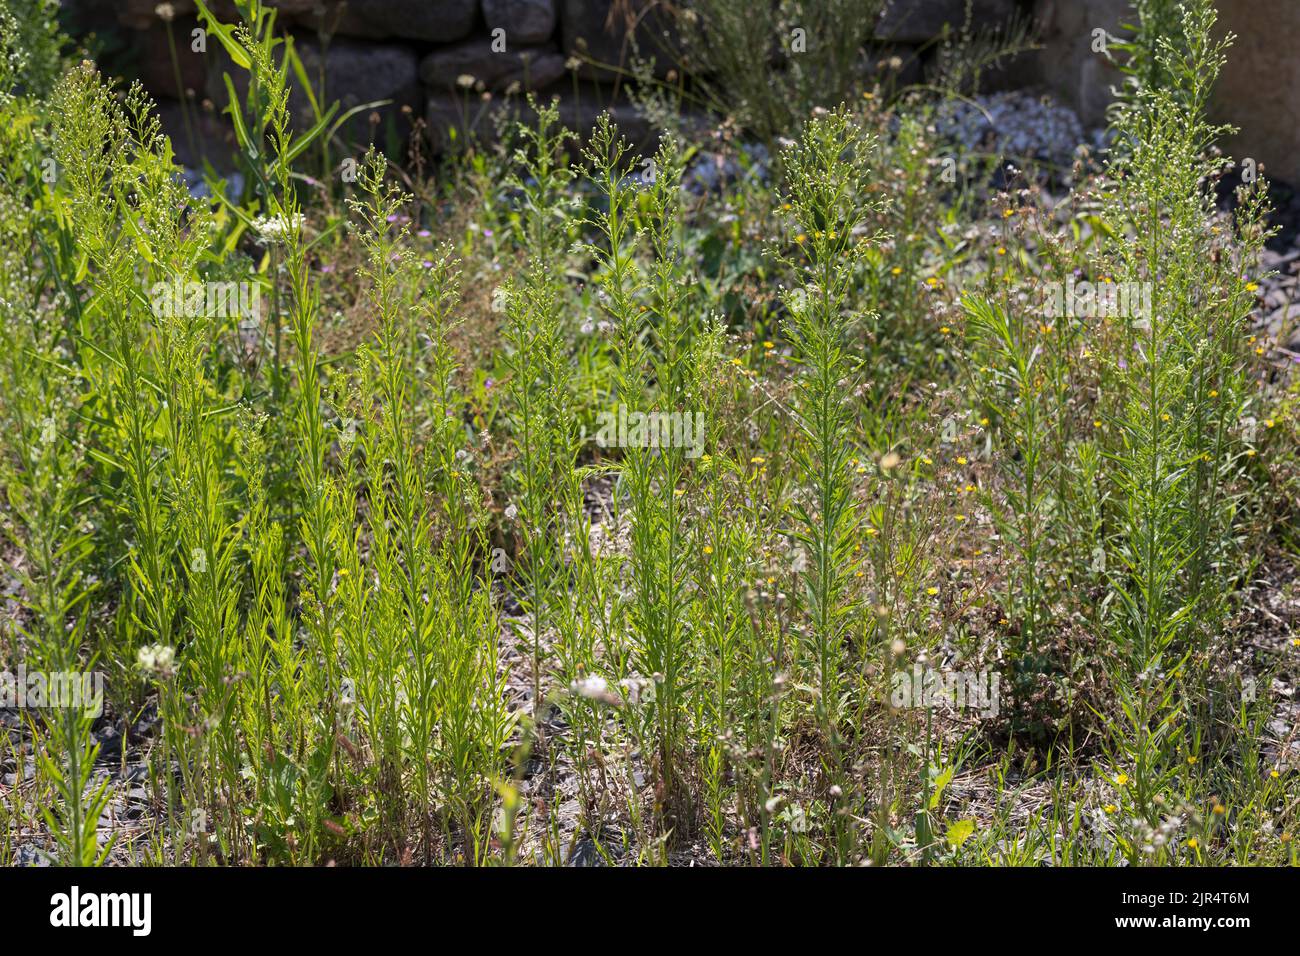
(737, 362)
(984, 421)
(897, 271)
(1096, 423)
(932, 591)
(1002, 250)
(801, 238)
(1191, 760)
(1269, 423)
(678, 492)
(1192, 844)
(1251, 287)
(343, 572)
(1214, 393)
(959, 517)
(1219, 809)
(1250, 453)
(1121, 779)
(1110, 808)
(1274, 774)
(944, 329)
(961, 459)
(757, 460)
(769, 345)
(1008, 213)
(926, 461)
(708, 549)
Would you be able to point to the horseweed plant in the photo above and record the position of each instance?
(567, 501)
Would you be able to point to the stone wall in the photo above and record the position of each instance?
(456, 63)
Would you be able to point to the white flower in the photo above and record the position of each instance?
(594, 687)
(273, 229)
(156, 658)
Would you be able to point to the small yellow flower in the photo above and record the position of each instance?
(1251, 287)
(960, 517)
(984, 422)
(896, 271)
(1002, 250)
(926, 461)
(1121, 779)
(932, 591)
(708, 549)
(1220, 809)
(1269, 423)
(932, 281)
(1274, 774)
(1214, 393)
(1250, 453)
(1192, 844)
(1096, 423)
(343, 572)
(944, 329)
(1191, 760)
(1110, 808)
(769, 345)
(678, 492)
(1008, 213)
(737, 362)
(961, 459)
(757, 460)
(800, 238)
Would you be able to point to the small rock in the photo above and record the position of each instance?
(440, 21)
(525, 21)
(532, 68)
